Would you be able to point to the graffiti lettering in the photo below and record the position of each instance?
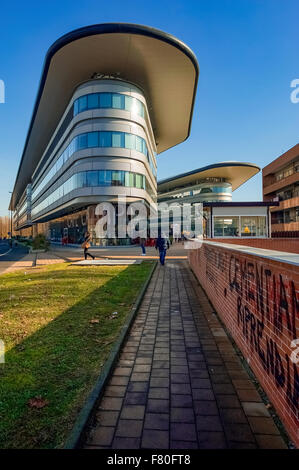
(266, 304)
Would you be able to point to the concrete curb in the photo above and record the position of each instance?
(74, 437)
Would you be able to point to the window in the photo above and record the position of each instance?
(226, 226)
(117, 178)
(96, 139)
(118, 101)
(80, 180)
(93, 101)
(108, 177)
(76, 107)
(286, 215)
(105, 139)
(93, 139)
(82, 104)
(81, 141)
(130, 141)
(118, 139)
(139, 146)
(128, 102)
(105, 100)
(139, 183)
(108, 100)
(130, 180)
(279, 176)
(102, 178)
(144, 147)
(253, 226)
(92, 178)
(138, 107)
(221, 189)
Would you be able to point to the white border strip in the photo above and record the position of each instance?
(2, 254)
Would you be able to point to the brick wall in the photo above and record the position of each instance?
(258, 300)
(290, 245)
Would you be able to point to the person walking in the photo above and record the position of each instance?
(162, 244)
(86, 244)
(142, 244)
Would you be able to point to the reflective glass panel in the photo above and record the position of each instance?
(93, 100)
(82, 141)
(118, 139)
(92, 178)
(130, 141)
(105, 100)
(108, 177)
(139, 184)
(127, 178)
(139, 145)
(117, 178)
(80, 180)
(118, 101)
(102, 178)
(76, 107)
(93, 139)
(128, 103)
(105, 139)
(82, 103)
(253, 226)
(226, 226)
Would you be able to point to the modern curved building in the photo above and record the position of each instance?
(111, 97)
(212, 183)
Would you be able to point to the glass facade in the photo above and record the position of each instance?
(226, 226)
(68, 229)
(253, 226)
(97, 139)
(240, 226)
(93, 178)
(209, 192)
(109, 100)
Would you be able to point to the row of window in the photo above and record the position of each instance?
(96, 178)
(288, 193)
(244, 226)
(294, 168)
(109, 100)
(22, 220)
(286, 216)
(21, 209)
(97, 139)
(206, 190)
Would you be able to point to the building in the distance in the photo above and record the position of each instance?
(213, 186)
(281, 183)
(111, 97)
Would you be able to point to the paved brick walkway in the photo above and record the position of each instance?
(179, 383)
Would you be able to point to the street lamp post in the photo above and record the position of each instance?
(10, 192)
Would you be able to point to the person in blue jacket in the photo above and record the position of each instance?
(162, 244)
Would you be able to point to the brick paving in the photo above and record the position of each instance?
(179, 383)
(71, 253)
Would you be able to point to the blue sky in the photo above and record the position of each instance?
(248, 55)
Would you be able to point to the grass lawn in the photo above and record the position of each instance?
(58, 330)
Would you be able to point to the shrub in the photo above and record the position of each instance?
(40, 242)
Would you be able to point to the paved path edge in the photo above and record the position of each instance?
(75, 435)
